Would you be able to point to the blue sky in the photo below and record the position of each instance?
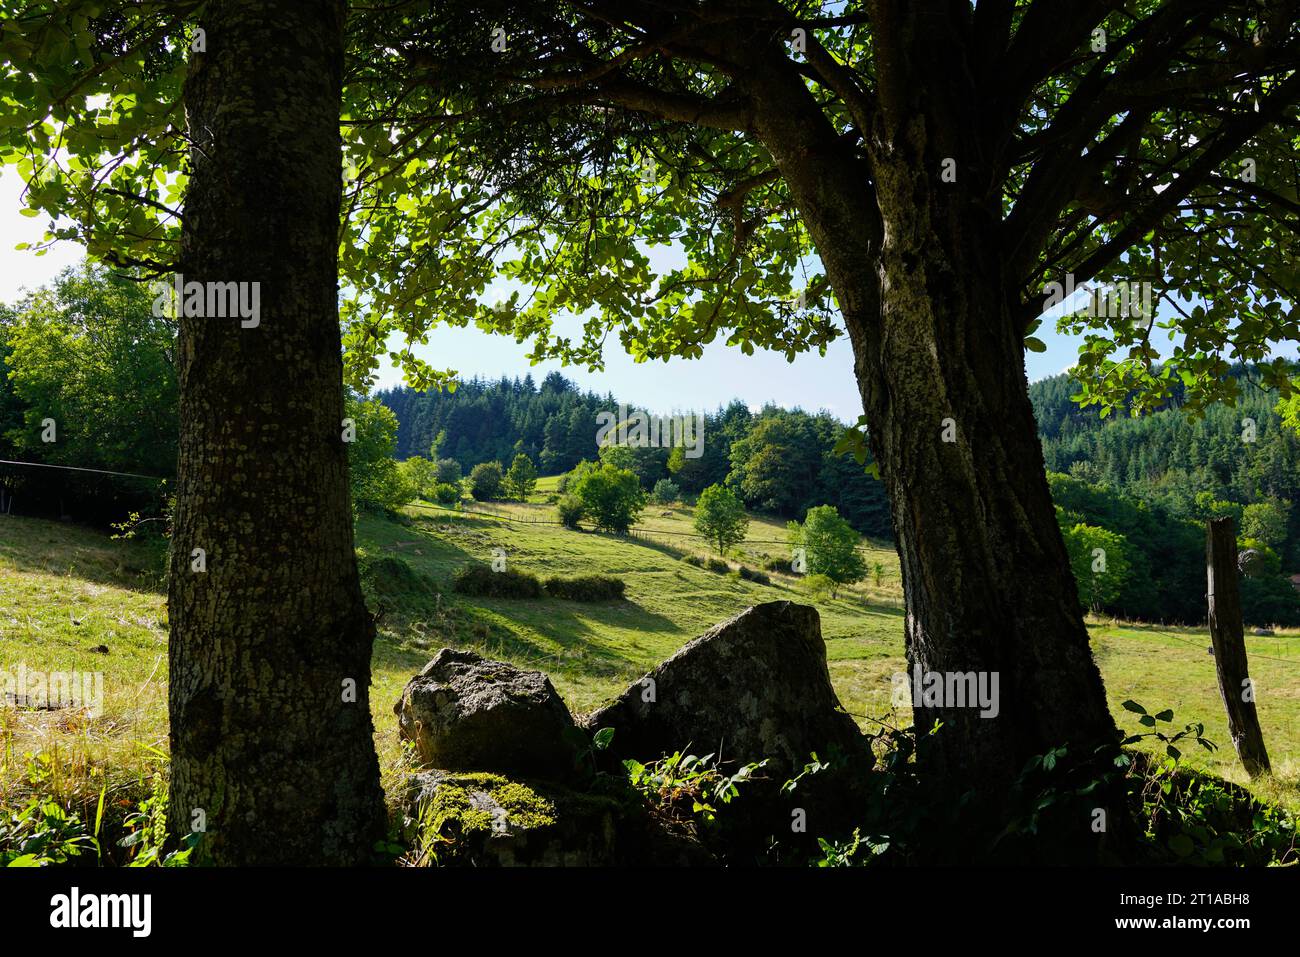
(812, 382)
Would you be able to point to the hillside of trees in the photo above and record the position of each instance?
(1155, 479)
(778, 460)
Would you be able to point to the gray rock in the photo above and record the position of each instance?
(1262, 632)
(753, 687)
(465, 712)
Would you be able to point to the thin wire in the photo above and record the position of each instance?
(76, 468)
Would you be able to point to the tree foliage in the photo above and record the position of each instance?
(611, 497)
(376, 481)
(830, 546)
(720, 517)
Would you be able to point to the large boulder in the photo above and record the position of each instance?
(465, 712)
(755, 686)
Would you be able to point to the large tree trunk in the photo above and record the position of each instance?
(917, 269)
(269, 746)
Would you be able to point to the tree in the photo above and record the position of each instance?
(611, 497)
(942, 161)
(89, 354)
(665, 492)
(377, 480)
(486, 480)
(522, 477)
(448, 471)
(263, 564)
(830, 546)
(720, 517)
(775, 465)
(1266, 521)
(420, 474)
(946, 163)
(1099, 559)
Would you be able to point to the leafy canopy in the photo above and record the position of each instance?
(603, 162)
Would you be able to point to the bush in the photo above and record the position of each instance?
(695, 560)
(717, 565)
(570, 510)
(665, 492)
(750, 575)
(389, 584)
(586, 588)
(819, 586)
(486, 480)
(481, 581)
(612, 498)
(445, 493)
(777, 565)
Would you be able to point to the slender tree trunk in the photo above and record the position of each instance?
(271, 736)
(916, 266)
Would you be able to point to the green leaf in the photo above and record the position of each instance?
(1034, 344)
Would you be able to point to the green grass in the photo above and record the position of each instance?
(66, 589)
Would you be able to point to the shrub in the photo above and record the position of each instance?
(486, 480)
(612, 498)
(717, 565)
(819, 586)
(586, 588)
(665, 492)
(777, 565)
(481, 581)
(444, 493)
(750, 575)
(570, 510)
(695, 560)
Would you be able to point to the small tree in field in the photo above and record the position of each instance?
(830, 546)
(721, 518)
(486, 480)
(522, 477)
(610, 497)
(665, 492)
(448, 471)
(1099, 560)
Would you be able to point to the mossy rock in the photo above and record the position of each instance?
(487, 820)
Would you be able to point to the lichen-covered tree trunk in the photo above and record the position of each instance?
(917, 268)
(271, 735)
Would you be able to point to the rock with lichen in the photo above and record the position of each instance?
(464, 712)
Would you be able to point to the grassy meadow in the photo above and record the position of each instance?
(67, 593)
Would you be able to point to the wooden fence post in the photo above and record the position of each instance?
(1229, 642)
